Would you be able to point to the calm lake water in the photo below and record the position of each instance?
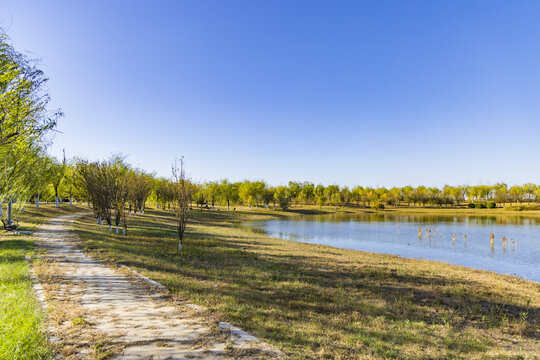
(399, 235)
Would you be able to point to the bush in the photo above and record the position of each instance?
(491, 205)
(480, 206)
(378, 206)
(470, 205)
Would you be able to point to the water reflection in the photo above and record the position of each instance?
(505, 244)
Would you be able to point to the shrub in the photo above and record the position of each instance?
(470, 205)
(378, 206)
(491, 204)
(480, 206)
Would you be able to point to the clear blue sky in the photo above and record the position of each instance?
(375, 93)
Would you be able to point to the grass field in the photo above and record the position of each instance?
(315, 301)
(21, 318)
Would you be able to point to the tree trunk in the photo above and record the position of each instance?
(10, 222)
(37, 201)
(70, 200)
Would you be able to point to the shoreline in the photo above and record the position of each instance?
(249, 225)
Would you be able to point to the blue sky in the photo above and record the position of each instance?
(378, 93)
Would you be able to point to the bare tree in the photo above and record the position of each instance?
(182, 192)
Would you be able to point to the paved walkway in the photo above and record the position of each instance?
(134, 319)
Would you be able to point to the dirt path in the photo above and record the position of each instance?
(95, 311)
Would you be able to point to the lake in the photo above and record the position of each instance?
(459, 240)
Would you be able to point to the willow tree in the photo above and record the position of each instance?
(58, 171)
(24, 120)
(42, 176)
(68, 183)
(21, 174)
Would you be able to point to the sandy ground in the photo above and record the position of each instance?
(98, 312)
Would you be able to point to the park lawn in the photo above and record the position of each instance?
(21, 318)
(315, 301)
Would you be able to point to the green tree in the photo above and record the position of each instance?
(199, 196)
(58, 172)
(529, 191)
(332, 195)
(24, 120)
(358, 195)
(245, 193)
(257, 189)
(229, 192)
(269, 196)
(320, 196)
(283, 197)
(294, 190)
(516, 193)
(307, 193)
(345, 195)
(408, 194)
(500, 194)
(42, 176)
(213, 192)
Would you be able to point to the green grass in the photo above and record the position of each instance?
(21, 318)
(315, 301)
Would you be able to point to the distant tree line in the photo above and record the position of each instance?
(138, 186)
(254, 194)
